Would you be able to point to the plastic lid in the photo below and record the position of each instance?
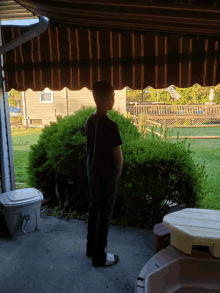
(22, 194)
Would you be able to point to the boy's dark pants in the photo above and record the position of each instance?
(103, 189)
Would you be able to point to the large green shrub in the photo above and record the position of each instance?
(153, 170)
(161, 171)
(60, 154)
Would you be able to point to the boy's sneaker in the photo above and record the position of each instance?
(110, 259)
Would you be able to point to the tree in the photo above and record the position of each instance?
(13, 97)
(195, 94)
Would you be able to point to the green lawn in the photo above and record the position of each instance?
(200, 131)
(21, 141)
(207, 150)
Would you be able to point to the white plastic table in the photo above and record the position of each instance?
(194, 227)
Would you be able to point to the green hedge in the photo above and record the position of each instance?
(153, 170)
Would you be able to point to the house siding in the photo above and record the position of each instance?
(41, 114)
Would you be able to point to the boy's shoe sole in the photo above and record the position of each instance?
(111, 259)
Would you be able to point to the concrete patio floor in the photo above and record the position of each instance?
(54, 259)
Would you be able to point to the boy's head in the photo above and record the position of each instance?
(103, 94)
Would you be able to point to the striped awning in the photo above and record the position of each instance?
(75, 55)
(11, 10)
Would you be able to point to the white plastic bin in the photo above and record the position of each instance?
(21, 209)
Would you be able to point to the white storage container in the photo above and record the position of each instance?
(21, 209)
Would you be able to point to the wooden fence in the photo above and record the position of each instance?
(145, 122)
(190, 110)
(195, 114)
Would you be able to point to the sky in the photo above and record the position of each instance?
(20, 22)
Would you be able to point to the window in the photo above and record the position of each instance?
(46, 96)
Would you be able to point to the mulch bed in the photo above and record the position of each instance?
(48, 211)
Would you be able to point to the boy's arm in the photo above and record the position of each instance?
(118, 157)
(87, 138)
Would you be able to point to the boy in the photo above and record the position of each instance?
(104, 165)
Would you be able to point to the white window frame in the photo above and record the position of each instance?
(47, 91)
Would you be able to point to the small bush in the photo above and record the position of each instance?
(20, 119)
(177, 123)
(12, 118)
(187, 122)
(206, 122)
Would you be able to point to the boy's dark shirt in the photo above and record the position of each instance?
(102, 134)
